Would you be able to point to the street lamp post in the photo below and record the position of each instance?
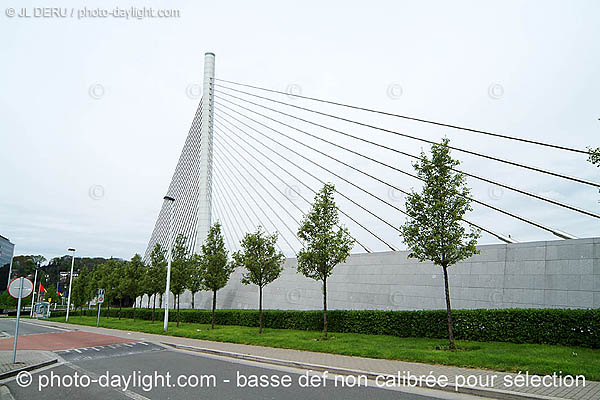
(72, 250)
(169, 256)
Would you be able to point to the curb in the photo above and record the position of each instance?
(31, 367)
(489, 393)
(5, 393)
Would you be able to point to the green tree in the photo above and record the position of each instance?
(594, 156)
(134, 275)
(51, 295)
(158, 274)
(7, 301)
(109, 281)
(195, 279)
(434, 229)
(93, 283)
(262, 262)
(118, 282)
(80, 292)
(180, 267)
(324, 246)
(214, 266)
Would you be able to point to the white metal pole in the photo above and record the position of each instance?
(33, 294)
(17, 323)
(70, 284)
(98, 317)
(169, 256)
(206, 152)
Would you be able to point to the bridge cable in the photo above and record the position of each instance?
(260, 184)
(556, 232)
(284, 182)
(252, 209)
(230, 198)
(521, 191)
(222, 194)
(342, 194)
(513, 163)
(446, 125)
(269, 206)
(226, 228)
(230, 220)
(499, 236)
(311, 189)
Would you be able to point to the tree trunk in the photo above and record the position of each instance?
(212, 321)
(153, 307)
(260, 309)
(178, 311)
(448, 310)
(325, 308)
(134, 304)
(120, 306)
(148, 304)
(193, 293)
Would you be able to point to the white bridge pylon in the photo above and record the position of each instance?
(191, 185)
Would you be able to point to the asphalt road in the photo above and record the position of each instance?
(7, 327)
(173, 374)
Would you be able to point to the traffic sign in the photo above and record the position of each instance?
(15, 285)
(100, 296)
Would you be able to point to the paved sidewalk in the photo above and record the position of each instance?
(25, 359)
(590, 391)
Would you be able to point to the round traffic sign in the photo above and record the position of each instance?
(15, 284)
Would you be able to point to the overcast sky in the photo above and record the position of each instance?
(94, 112)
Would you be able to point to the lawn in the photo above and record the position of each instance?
(497, 356)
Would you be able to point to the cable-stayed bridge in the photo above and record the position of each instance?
(256, 156)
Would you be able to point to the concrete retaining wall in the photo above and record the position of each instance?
(553, 274)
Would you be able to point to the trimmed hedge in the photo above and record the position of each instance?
(544, 326)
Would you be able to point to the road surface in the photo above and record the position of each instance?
(115, 368)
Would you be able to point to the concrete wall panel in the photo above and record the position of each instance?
(554, 274)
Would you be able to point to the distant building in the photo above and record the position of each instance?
(6, 254)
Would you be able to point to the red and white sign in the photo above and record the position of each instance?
(15, 285)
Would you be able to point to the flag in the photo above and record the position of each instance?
(58, 290)
(42, 288)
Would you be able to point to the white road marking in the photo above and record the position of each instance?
(46, 326)
(128, 393)
(77, 350)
